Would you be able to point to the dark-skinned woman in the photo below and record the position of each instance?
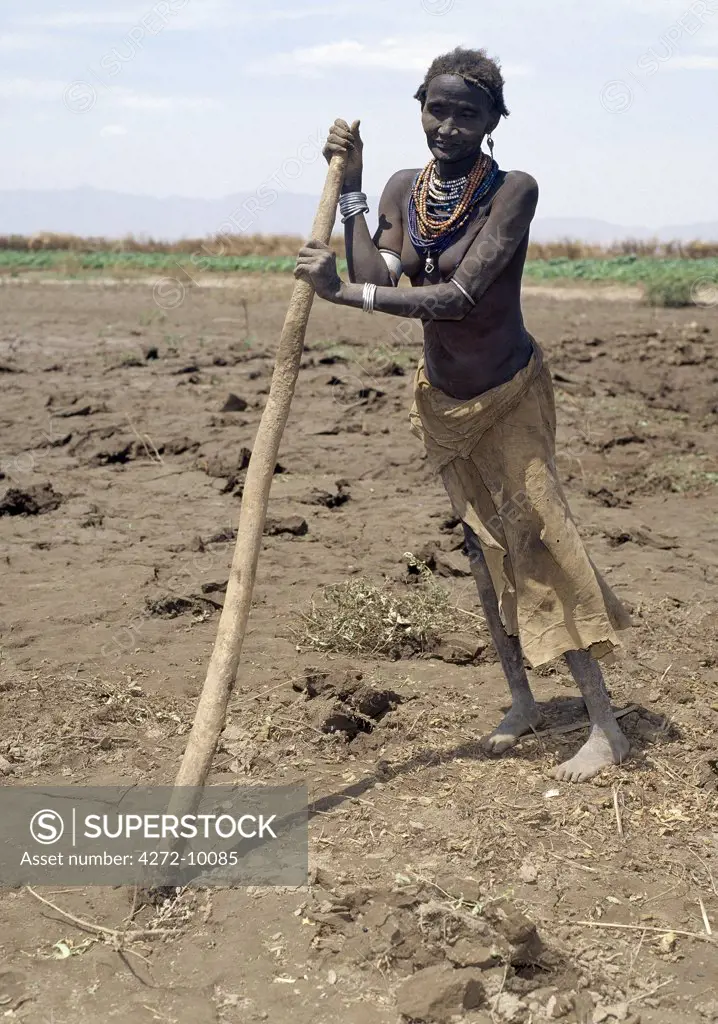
(483, 397)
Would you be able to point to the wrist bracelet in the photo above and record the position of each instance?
(353, 212)
(351, 204)
(368, 296)
(349, 199)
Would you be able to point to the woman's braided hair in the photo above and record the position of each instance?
(473, 66)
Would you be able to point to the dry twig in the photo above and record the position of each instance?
(706, 922)
(559, 730)
(617, 809)
(117, 935)
(645, 928)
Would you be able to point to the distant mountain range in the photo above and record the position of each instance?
(88, 211)
(600, 232)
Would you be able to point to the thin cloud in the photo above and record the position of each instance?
(10, 41)
(85, 19)
(209, 14)
(693, 62)
(662, 8)
(41, 89)
(299, 13)
(216, 14)
(149, 102)
(48, 90)
(111, 130)
(389, 54)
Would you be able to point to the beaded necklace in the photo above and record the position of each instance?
(439, 209)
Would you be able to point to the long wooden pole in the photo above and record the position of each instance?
(222, 672)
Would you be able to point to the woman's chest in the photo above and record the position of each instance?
(413, 263)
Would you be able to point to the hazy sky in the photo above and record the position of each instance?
(613, 102)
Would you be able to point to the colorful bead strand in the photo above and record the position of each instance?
(438, 210)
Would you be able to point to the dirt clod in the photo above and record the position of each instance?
(472, 953)
(234, 403)
(438, 993)
(460, 649)
(35, 501)
(170, 606)
(180, 445)
(559, 1006)
(295, 525)
(328, 499)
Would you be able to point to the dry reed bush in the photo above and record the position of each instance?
(288, 245)
(359, 616)
(216, 245)
(573, 249)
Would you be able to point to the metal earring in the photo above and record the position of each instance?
(490, 144)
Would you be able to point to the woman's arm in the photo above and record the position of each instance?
(317, 263)
(495, 245)
(432, 302)
(488, 255)
(365, 262)
(367, 265)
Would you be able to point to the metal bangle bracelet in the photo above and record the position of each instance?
(351, 204)
(354, 213)
(351, 199)
(368, 296)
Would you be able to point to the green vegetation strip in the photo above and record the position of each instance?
(623, 269)
(628, 270)
(168, 263)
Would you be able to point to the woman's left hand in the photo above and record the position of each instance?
(317, 264)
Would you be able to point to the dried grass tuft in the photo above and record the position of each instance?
(359, 616)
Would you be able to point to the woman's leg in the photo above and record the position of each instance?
(606, 743)
(524, 714)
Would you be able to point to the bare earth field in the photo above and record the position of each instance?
(503, 895)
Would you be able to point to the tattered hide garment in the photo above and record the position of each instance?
(496, 456)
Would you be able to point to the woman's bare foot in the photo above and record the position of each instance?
(522, 718)
(599, 751)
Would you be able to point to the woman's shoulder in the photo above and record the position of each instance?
(406, 174)
(520, 182)
(399, 183)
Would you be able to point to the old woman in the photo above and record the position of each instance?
(458, 228)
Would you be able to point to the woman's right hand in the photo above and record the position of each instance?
(345, 139)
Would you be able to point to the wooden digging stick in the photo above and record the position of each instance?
(212, 708)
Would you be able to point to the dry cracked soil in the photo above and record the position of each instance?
(444, 884)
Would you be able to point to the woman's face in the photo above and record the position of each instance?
(456, 117)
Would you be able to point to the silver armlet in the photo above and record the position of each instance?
(393, 263)
(368, 296)
(463, 291)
